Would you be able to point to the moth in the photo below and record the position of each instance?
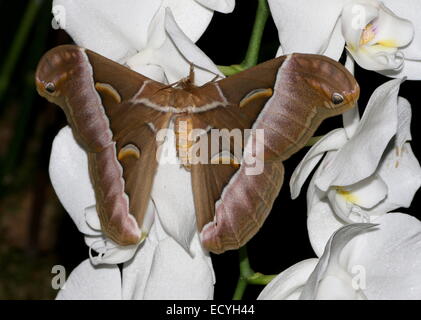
(115, 115)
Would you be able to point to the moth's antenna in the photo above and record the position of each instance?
(190, 78)
(166, 87)
(217, 76)
(192, 66)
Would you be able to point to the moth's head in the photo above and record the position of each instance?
(54, 69)
(336, 85)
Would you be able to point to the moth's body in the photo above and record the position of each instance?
(117, 114)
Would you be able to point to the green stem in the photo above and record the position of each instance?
(248, 276)
(21, 129)
(260, 279)
(230, 70)
(245, 272)
(240, 289)
(253, 49)
(252, 54)
(18, 44)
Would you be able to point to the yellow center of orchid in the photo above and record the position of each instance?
(347, 195)
(387, 43)
(368, 34)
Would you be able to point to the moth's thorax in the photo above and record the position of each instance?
(186, 98)
(183, 99)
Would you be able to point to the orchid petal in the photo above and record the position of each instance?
(411, 69)
(188, 49)
(192, 17)
(393, 30)
(172, 194)
(288, 284)
(280, 52)
(141, 62)
(224, 6)
(145, 64)
(409, 9)
(378, 58)
(351, 121)
(118, 30)
(114, 29)
(328, 268)
(88, 282)
(390, 257)
(403, 133)
(352, 200)
(163, 270)
(337, 287)
(177, 275)
(322, 222)
(351, 118)
(355, 17)
(175, 55)
(401, 171)
(69, 176)
(110, 252)
(136, 271)
(295, 24)
(92, 218)
(336, 43)
(358, 159)
(331, 141)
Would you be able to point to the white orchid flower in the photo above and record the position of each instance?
(360, 261)
(170, 263)
(382, 36)
(362, 177)
(161, 269)
(142, 34)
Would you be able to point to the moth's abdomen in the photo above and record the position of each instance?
(183, 128)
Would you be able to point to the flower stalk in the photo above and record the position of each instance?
(18, 44)
(248, 276)
(252, 54)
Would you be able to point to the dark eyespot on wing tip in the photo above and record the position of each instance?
(337, 98)
(50, 87)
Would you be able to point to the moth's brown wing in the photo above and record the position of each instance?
(100, 99)
(286, 98)
(231, 205)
